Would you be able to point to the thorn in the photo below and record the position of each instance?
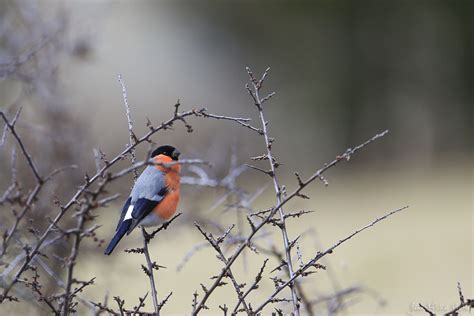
(303, 196)
(300, 182)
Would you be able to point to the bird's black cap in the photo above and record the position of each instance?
(167, 150)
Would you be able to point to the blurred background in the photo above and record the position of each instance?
(342, 71)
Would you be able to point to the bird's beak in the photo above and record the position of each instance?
(176, 154)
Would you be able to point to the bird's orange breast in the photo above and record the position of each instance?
(167, 207)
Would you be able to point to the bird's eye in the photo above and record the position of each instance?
(175, 154)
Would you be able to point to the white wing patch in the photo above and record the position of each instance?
(128, 215)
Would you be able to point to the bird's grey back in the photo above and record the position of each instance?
(150, 185)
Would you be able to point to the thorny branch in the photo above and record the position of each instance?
(90, 194)
(146, 238)
(89, 181)
(215, 243)
(150, 271)
(40, 182)
(252, 287)
(11, 126)
(319, 255)
(463, 302)
(83, 216)
(257, 227)
(255, 94)
(151, 266)
(132, 136)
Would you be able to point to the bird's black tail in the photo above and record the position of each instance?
(122, 230)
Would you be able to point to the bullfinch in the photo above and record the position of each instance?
(154, 197)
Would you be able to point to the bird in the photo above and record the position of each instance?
(154, 197)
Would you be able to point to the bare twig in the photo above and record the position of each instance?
(215, 244)
(463, 302)
(29, 159)
(255, 94)
(241, 121)
(39, 180)
(150, 273)
(132, 136)
(320, 255)
(163, 226)
(71, 262)
(252, 287)
(80, 232)
(297, 192)
(149, 270)
(4, 136)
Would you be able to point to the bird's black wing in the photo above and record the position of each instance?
(143, 207)
(124, 211)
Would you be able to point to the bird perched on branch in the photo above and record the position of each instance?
(154, 197)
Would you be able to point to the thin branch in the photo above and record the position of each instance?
(463, 302)
(297, 192)
(163, 302)
(221, 256)
(427, 310)
(241, 121)
(252, 287)
(59, 170)
(150, 273)
(320, 255)
(4, 136)
(271, 160)
(11, 126)
(149, 270)
(71, 262)
(132, 136)
(163, 226)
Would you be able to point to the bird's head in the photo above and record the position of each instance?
(167, 150)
